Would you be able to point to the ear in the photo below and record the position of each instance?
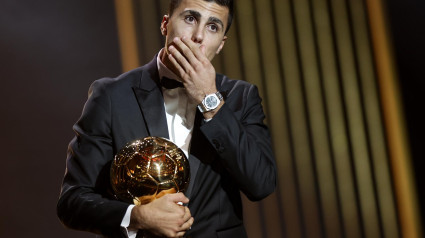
(221, 45)
(164, 24)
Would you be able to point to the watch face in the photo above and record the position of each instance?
(211, 101)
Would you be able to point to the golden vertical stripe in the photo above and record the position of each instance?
(324, 165)
(287, 175)
(127, 34)
(250, 58)
(151, 23)
(361, 160)
(274, 96)
(304, 156)
(271, 214)
(394, 122)
(248, 41)
(231, 54)
(251, 217)
(163, 5)
(338, 137)
(374, 121)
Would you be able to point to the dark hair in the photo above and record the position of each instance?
(226, 3)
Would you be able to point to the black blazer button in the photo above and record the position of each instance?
(216, 144)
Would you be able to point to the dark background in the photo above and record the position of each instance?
(51, 51)
(407, 22)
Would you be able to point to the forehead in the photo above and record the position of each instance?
(207, 9)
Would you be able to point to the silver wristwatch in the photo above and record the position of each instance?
(210, 102)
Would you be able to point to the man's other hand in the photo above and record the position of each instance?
(193, 67)
(163, 216)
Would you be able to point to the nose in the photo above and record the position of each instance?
(198, 34)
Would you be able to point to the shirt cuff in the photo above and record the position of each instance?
(126, 222)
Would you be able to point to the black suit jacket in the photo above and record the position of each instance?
(229, 154)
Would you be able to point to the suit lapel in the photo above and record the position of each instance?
(151, 102)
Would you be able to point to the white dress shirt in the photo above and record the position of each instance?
(180, 112)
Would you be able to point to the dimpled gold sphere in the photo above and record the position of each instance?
(147, 169)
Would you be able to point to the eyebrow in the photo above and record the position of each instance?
(216, 20)
(198, 15)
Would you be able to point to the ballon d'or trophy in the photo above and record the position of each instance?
(147, 169)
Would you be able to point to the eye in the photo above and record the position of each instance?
(212, 28)
(190, 19)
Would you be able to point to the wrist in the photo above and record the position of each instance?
(210, 102)
(210, 114)
(137, 220)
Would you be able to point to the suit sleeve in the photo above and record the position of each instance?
(84, 203)
(244, 146)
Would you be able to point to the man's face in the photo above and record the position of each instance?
(202, 22)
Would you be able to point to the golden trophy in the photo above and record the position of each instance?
(147, 169)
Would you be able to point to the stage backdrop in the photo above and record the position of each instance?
(326, 73)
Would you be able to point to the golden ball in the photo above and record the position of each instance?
(149, 168)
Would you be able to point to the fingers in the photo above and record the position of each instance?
(178, 197)
(190, 49)
(173, 60)
(181, 234)
(187, 214)
(182, 54)
(181, 59)
(187, 225)
(187, 54)
(163, 216)
(193, 68)
(188, 219)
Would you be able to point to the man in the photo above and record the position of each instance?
(216, 121)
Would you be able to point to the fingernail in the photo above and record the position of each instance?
(175, 39)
